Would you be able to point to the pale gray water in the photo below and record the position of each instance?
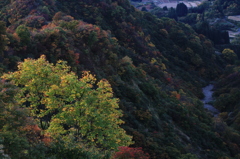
(207, 91)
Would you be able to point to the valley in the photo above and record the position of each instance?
(100, 79)
(208, 92)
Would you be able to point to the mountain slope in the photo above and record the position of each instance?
(156, 66)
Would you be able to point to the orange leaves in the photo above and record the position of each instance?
(178, 96)
(97, 29)
(33, 129)
(35, 134)
(151, 44)
(46, 139)
(50, 25)
(130, 153)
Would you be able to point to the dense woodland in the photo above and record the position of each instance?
(209, 18)
(100, 79)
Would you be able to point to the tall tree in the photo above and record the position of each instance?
(3, 39)
(172, 13)
(229, 55)
(13, 119)
(67, 106)
(181, 9)
(24, 35)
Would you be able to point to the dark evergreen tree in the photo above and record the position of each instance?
(144, 9)
(181, 10)
(172, 14)
(2, 38)
(165, 8)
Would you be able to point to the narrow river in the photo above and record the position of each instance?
(207, 91)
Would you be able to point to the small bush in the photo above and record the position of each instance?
(130, 153)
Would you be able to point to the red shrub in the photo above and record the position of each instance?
(130, 153)
(169, 79)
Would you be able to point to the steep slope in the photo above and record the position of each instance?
(227, 93)
(227, 101)
(156, 66)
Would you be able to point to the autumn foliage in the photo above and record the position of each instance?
(130, 153)
(66, 105)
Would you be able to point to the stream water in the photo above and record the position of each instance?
(207, 91)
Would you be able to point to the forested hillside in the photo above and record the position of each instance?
(230, 7)
(109, 77)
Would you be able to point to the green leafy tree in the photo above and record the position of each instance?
(229, 55)
(3, 39)
(67, 106)
(12, 121)
(24, 35)
(20, 137)
(92, 38)
(58, 16)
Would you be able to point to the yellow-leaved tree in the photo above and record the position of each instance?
(68, 107)
(229, 55)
